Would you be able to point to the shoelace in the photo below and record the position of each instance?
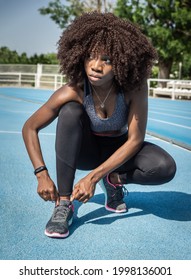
(120, 192)
(125, 191)
(60, 213)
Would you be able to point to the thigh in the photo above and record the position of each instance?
(149, 157)
(151, 165)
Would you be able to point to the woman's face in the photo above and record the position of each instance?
(98, 69)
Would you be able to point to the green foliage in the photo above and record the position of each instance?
(155, 72)
(186, 66)
(62, 14)
(8, 56)
(166, 22)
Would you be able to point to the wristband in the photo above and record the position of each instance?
(40, 169)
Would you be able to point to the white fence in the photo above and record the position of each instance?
(47, 76)
(33, 80)
(38, 76)
(175, 89)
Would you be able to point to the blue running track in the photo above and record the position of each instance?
(157, 225)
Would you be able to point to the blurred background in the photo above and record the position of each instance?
(30, 30)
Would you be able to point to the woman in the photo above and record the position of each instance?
(102, 116)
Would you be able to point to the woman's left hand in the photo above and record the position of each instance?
(83, 190)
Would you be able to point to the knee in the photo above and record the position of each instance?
(71, 108)
(70, 113)
(167, 169)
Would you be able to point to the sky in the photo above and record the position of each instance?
(24, 29)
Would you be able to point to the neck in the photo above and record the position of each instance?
(104, 88)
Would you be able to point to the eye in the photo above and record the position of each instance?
(107, 60)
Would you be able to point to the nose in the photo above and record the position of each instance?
(97, 65)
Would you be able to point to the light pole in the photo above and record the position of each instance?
(180, 71)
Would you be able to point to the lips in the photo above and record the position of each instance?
(95, 77)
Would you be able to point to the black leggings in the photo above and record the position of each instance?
(78, 148)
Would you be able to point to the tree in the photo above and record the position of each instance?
(166, 22)
(23, 59)
(8, 56)
(63, 14)
(51, 58)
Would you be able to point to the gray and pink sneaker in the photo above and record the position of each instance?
(57, 226)
(114, 194)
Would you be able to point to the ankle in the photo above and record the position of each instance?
(67, 197)
(114, 178)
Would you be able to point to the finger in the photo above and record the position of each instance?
(72, 198)
(58, 200)
(86, 200)
(75, 190)
(46, 197)
(75, 197)
(83, 198)
(53, 196)
(86, 197)
(74, 194)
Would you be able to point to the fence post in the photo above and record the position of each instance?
(38, 75)
(173, 90)
(19, 81)
(148, 84)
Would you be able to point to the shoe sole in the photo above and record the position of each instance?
(115, 210)
(106, 206)
(57, 234)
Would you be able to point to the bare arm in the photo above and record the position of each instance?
(40, 119)
(137, 121)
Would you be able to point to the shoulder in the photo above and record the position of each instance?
(68, 92)
(137, 94)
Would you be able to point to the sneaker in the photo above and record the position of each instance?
(57, 226)
(113, 196)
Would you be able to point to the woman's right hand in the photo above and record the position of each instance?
(46, 188)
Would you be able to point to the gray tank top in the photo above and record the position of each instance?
(116, 122)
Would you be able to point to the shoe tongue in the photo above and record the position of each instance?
(65, 202)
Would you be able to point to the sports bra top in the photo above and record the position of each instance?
(116, 122)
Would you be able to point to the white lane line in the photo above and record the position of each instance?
(187, 110)
(9, 132)
(19, 132)
(171, 115)
(170, 123)
(22, 99)
(17, 112)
